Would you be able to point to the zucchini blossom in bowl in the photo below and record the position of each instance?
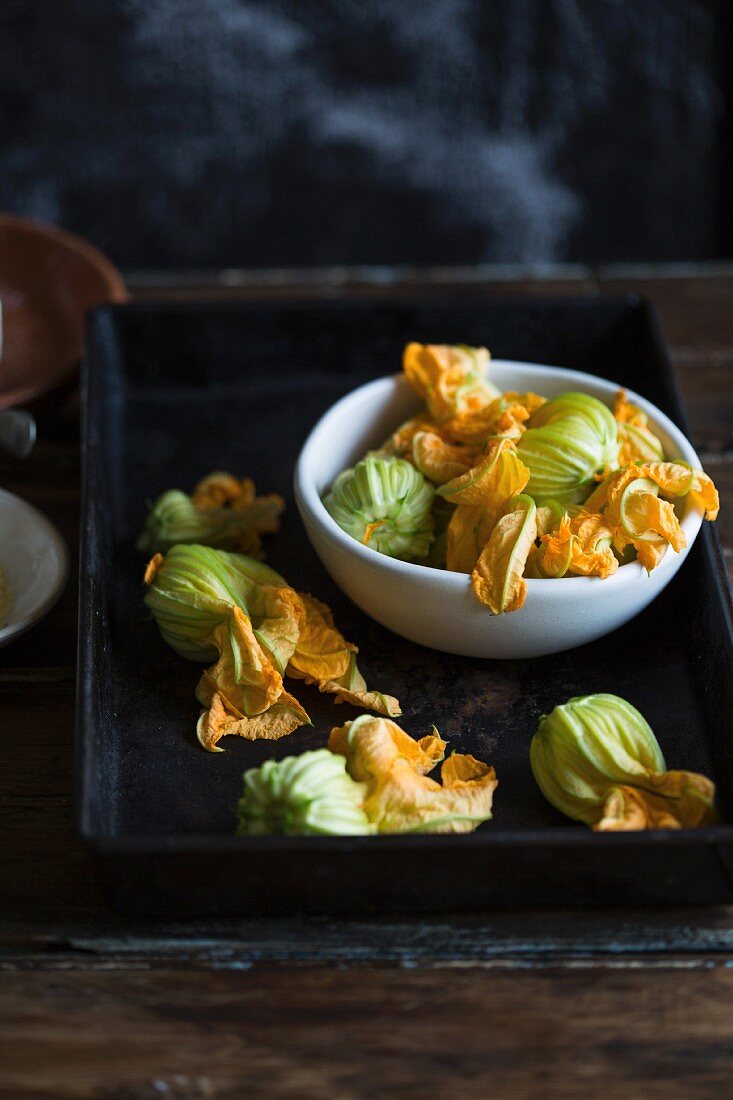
(385, 503)
(570, 440)
(596, 759)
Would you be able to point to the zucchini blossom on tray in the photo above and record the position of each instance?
(373, 780)
(310, 794)
(596, 759)
(222, 511)
(211, 605)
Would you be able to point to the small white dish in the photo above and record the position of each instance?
(35, 560)
(436, 608)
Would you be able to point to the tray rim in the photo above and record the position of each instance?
(494, 837)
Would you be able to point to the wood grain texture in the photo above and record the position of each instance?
(311, 1033)
(519, 1004)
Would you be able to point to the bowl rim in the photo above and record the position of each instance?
(20, 626)
(310, 502)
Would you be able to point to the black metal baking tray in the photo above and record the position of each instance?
(173, 391)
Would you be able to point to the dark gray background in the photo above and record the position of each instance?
(245, 132)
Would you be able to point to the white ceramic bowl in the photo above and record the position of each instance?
(35, 560)
(436, 608)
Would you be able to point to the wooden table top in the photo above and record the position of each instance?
(551, 1004)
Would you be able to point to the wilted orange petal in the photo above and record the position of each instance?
(495, 481)
(613, 489)
(625, 412)
(663, 521)
(152, 568)
(322, 653)
(512, 419)
(460, 769)
(678, 800)
(498, 576)
(367, 700)
(351, 687)
(556, 551)
(530, 401)
(468, 532)
(649, 553)
(400, 796)
(221, 490)
(282, 718)
(705, 492)
(243, 676)
(372, 745)
(473, 426)
(438, 460)
(281, 617)
(653, 517)
(592, 555)
(448, 378)
(401, 440)
(673, 479)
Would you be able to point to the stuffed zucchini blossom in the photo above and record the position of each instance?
(596, 759)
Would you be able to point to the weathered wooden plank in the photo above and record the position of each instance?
(706, 383)
(315, 1032)
(536, 938)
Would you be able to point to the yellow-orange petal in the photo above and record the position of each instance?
(529, 400)
(321, 653)
(592, 555)
(400, 796)
(440, 461)
(672, 478)
(705, 493)
(450, 378)
(626, 412)
(649, 554)
(221, 489)
(498, 576)
(243, 676)
(555, 552)
(373, 745)
(613, 489)
(281, 617)
(278, 721)
(501, 476)
(671, 800)
(469, 529)
(152, 568)
(401, 440)
(473, 426)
